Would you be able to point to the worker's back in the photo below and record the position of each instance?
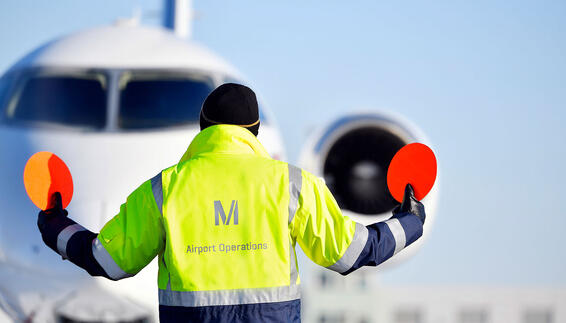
(226, 219)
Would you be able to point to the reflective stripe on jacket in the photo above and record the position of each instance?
(224, 222)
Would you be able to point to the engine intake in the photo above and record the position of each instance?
(355, 169)
(353, 155)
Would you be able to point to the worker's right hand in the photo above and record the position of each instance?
(411, 205)
(52, 221)
(56, 211)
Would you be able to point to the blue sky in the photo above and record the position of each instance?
(485, 80)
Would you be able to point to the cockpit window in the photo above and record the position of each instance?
(161, 100)
(70, 100)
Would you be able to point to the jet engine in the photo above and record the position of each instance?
(352, 154)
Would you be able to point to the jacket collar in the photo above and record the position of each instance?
(224, 139)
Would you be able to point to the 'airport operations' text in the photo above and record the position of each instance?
(226, 248)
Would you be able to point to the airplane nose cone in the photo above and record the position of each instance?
(94, 304)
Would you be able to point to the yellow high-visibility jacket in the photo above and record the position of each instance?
(224, 223)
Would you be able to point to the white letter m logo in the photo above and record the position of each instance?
(219, 213)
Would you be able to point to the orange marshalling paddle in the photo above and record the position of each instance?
(413, 164)
(45, 174)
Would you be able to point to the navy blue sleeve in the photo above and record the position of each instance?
(70, 240)
(385, 239)
(79, 252)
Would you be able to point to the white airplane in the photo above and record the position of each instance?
(118, 104)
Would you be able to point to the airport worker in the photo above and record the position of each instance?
(224, 223)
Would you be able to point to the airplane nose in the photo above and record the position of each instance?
(94, 304)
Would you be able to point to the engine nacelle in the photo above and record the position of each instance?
(352, 154)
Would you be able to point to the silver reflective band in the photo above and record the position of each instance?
(157, 189)
(354, 250)
(169, 279)
(64, 237)
(229, 297)
(106, 262)
(295, 183)
(293, 264)
(398, 233)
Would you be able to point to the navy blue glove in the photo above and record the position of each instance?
(410, 205)
(52, 221)
(77, 247)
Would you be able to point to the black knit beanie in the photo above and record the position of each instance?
(231, 103)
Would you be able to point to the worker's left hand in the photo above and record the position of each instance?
(52, 221)
(411, 205)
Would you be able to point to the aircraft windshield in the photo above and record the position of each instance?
(68, 100)
(105, 99)
(155, 101)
